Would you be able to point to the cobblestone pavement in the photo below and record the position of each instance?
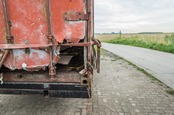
(120, 89)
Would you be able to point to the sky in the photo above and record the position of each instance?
(132, 16)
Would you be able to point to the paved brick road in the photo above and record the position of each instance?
(119, 90)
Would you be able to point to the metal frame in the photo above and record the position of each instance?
(46, 89)
(88, 44)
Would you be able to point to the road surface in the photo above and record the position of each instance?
(159, 64)
(120, 89)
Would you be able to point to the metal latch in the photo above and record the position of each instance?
(76, 16)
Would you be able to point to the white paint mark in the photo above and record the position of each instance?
(18, 54)
(24, 65)
(41, 54)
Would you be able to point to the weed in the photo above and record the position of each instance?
(143, 71)
(170, 91)
(113, 60)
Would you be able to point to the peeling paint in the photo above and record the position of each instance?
(29, 26)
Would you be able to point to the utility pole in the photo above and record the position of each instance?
(120, 33)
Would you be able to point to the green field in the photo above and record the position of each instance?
(161, 42)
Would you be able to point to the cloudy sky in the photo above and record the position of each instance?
(134, 16)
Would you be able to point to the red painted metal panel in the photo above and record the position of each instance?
(2, 26)
(29, 26)
(71, 31)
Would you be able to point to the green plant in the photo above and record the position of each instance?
(170, 91)
(140, 43)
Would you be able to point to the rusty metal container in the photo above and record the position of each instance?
(47, 47)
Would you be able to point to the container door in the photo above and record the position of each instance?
(29, 25)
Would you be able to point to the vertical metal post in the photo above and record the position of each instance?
(89, 26)
(98, 59)
(50, 37)
(9, 36)
(93, 30)
(88, 39)
(92, 20)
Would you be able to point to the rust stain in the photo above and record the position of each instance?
(29, 26)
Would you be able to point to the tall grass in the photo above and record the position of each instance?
(162, 42)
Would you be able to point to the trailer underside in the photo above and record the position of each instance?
(69, 82)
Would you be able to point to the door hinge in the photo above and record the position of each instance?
(76, 16)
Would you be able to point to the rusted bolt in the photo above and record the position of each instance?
(26, 41)
(27, 51)
(46, 93)
(20, 76)
(85, 82)
(10, 23)
(66, 18)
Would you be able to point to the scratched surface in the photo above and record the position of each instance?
(29, 26)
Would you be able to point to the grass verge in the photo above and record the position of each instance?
(162, 42)
(161, 47)
(143, 71)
